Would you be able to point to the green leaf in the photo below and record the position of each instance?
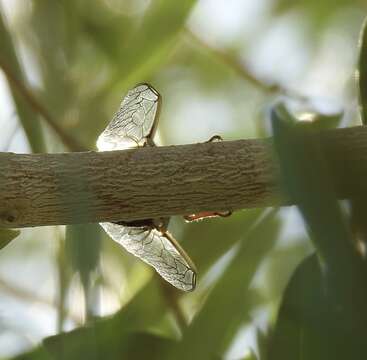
(130, 346)
(299, 316)
(115, 337)
(317, 13)
(67, 346)
(362, 73)
(308, 327)
(326, 122)
(155, 34)
(277, 275)
(40, 353)
(307, 183)
(10, 63)
(144, 311)
(149, 45)
(207, 240)
(262, 342)
(110, 336)
(227, 309)
(83, 246)
(250, 356)
(6, 236)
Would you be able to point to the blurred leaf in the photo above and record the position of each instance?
(6, 236)
(212, 70)
(103, 29)
(318, 13)
(144, 310)
(301, 320)
(64, 277)
(139, 45)
(138, 345)
(307, 182)
(308, 327)
(277, 275)
(9, 62)
(57, 49)
(83, 245)
(250, 356)
(114, 337)
(262, 339)
(208, 240)
(226, 309)
(362, 73)
(131, 346)
(40, 353)
(325, 122)
(149, 45)
(48, 22)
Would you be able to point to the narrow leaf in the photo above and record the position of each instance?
(10, 64)
(341, 291)
(307, 182)
(226, 308)
(149, 46)
(362, 73)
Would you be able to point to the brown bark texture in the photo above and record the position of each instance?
(82, 187)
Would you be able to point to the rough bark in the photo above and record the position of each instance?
(49, 189)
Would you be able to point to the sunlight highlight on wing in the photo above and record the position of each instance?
(134, 122)
(158, 250)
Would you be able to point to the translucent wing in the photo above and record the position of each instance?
(158, 250)
(132, 125)
(134, 122)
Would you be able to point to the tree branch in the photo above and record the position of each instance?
(50, 189)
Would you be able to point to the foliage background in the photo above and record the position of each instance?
(219, 66)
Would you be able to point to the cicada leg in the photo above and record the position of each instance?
(206, 215)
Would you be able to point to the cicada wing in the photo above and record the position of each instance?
(134, 122)
(157, 249)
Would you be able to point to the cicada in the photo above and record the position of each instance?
(134, 125)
